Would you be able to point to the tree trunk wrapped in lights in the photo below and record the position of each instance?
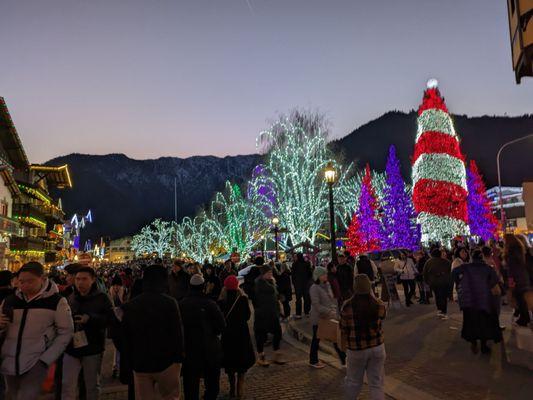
(291, 183)
(439, 175)
(154, 238)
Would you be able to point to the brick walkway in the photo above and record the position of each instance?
(428, 354)
(294, 380)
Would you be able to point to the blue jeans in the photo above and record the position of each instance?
(370, 361)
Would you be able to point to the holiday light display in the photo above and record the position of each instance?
(399, 218)
(482, 221)
(199, 238)
(154, 238)
(347, 195)
(294, 173)
(355, 243)
(439, 175)
(365, 232)
(239, 220)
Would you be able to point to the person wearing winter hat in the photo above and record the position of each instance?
(265, 301)
(231, 283)
(203, 322)
(239, 355)
(323, 306)
(197, 282)
(362, 337)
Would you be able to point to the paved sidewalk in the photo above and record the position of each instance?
(294, 380)
(427, 355)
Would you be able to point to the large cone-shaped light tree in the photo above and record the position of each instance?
(439, 174)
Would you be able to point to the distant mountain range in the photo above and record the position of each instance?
(125, 194)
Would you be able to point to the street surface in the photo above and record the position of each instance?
(426, 359)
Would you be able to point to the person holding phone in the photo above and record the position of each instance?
(37, 325)
(92, 313)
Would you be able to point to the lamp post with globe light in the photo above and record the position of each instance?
(330, 176)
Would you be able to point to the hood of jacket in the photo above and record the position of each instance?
(48, 289)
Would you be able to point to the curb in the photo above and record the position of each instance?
(394, 388)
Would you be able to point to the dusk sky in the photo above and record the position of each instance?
(181, 78)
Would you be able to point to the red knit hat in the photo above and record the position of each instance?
(231, 283)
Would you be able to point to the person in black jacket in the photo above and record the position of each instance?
(266, 319)
(92, 311)
(178, 281)
(345, 276)
(302, 274)
(284, 285)
(203, 323)
(239, 355)
(152, 338)
(249, 279)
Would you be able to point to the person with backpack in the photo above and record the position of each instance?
(239, 355)
(203, 323)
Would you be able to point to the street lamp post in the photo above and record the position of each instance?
(330, 176)
(275, 222)
(263, 245)
(502, 213)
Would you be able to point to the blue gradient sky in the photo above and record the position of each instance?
(179, 78)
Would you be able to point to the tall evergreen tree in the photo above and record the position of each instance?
(399, 218)
(366, 229)
(482, 221)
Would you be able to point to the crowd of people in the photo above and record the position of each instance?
(189, 321)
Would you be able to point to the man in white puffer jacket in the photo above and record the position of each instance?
(37, 325)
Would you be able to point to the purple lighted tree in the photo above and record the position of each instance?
(399, 218)
(369, 225)
(482, 221)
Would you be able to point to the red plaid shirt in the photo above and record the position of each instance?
(357, 337)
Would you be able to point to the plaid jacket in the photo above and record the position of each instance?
(354, 335)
